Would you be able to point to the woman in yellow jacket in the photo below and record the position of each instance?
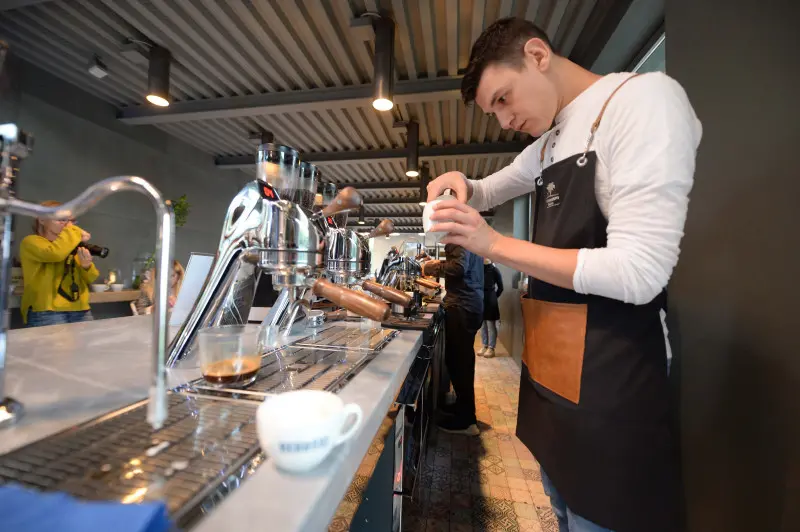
(56, 272)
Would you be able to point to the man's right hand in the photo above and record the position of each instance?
(85, 237)
(456, 181)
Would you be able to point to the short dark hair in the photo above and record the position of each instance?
(502, 42)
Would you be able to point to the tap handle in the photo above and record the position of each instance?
(384, 228)
(388, 293)
(361, 304)
(347, 199)
(427, 283)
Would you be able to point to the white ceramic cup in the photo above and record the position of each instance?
(427, 223)
(299, 429)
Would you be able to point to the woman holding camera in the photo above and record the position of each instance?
(56, 272)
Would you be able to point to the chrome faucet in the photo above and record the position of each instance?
(15, 145)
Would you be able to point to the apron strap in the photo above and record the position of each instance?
(582, 160)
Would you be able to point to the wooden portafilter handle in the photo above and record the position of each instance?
(361, 304)
(427, 283)
(384, 228)
(392, 295)
(347, 199)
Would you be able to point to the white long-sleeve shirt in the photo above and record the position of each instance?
(646, 146)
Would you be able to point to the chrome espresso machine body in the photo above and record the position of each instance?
(270, 227)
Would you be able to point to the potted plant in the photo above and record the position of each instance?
(181, 208)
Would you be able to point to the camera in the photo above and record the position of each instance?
(95, 250)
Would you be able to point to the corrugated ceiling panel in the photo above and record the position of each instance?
(241, 47)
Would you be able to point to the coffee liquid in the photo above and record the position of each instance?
(232, 370)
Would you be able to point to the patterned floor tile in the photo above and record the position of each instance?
(339, 524)
(494, 514)
(532, 474)
(488, 483)
(547, 519)
(529, 525)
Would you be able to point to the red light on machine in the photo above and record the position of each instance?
(269, 193)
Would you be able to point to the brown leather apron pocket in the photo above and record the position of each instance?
(555, 337)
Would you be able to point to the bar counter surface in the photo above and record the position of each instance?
(68, 374)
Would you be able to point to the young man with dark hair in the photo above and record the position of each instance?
(612, 170)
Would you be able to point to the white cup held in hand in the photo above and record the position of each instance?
(428, 211)
(299, 429)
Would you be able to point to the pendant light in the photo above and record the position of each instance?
(412, 158)
(383, 64)
(158, 76)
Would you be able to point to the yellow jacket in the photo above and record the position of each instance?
(43, 270)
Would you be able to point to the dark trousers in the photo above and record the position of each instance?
(459, 356)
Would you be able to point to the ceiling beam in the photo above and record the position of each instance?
(354, 222)
(383, 185)
(391, 201)
(600, 26)
(238, 162)
(6, 5)
(405, 92)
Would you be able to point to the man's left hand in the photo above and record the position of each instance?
(429, 267)
(84, 258)
(465, 227)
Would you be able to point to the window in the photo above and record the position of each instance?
(655, 60)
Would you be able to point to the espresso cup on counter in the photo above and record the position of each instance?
(230, 355)
(299, 429)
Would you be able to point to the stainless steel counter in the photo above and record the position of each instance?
(65, 375)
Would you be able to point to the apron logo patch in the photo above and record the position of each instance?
(552, 199)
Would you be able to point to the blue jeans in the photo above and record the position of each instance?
(489, 334)
(49, 317)
(567, 520)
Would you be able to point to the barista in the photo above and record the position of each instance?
(56, 273)
(612, 169)
(463, 304)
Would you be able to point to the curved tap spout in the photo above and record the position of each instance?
(157, 407)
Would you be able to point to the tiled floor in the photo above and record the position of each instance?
(489, 482)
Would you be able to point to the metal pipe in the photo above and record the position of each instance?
(157, 406)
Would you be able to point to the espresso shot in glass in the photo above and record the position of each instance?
(229, 355)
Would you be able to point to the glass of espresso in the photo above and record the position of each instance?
(229, 355)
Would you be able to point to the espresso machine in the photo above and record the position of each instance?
(271, 227)
(403, 272)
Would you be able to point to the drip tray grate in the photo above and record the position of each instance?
(204, 445)
(323, 361)
(350, 338)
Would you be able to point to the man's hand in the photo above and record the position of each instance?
(456, 181)
(465, 227)
(84, 258)
(429, 267)
(85, 237)
(171, 300)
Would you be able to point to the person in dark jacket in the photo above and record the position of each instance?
(492, 288)
(463, 304)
